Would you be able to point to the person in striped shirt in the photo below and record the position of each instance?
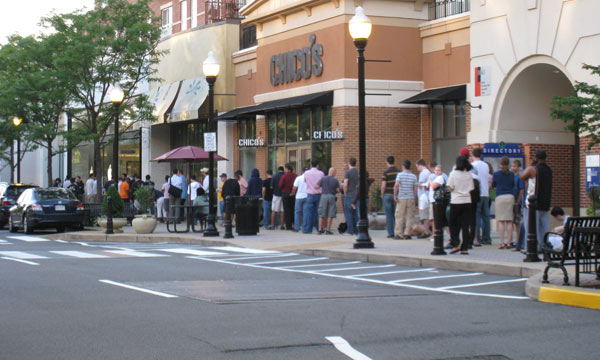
(405, 195)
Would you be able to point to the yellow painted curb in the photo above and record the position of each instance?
(580, 298)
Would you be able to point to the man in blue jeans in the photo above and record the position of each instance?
(299, 191)
(387, 190)
(311, 206)
(267, 195)
(483, 206)
(350, 187)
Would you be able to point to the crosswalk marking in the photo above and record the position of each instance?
(19, 260)
(28, 238)
(357, 268)
(62, 241)
(314, 265)
(482, 284)
(191, 252)
(287, 261)
(236, 249)
(21, 255)
(4, 242)
(394, 272)
(79, 254)
(434, 277)
(133, 253)
(259, 257)
(148, 291)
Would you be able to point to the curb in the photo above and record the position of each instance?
(563, 295)
(101, 237)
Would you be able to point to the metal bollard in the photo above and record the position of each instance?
(532, 243)
(439, 212)
(109, 216)
(228, 225)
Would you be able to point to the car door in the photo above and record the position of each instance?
(22, 202)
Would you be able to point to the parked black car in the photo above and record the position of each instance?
(8, 197)
(40, 208)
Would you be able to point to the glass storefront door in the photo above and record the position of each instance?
(298, 157)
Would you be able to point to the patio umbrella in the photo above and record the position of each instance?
(188, 154)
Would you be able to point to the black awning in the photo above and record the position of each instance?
(322, 98)
(451, 93)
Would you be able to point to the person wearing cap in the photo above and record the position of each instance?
(205, 179)
(299, 191)
(539, 183)
(423, 196)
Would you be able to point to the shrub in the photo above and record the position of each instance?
(142, 196)
(117, 203)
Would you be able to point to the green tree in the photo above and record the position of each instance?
(34, 88)
(115, 43)
(581, 111)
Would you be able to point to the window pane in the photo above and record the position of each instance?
(327, 118)
(436, 117)
(322, 152)
(304, 131)
(461, 120)
(317, 125)
(271, 131)
(449, 119)
(272, 159)
(292, 126)
(280, 127)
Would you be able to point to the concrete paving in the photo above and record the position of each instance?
(416, 252)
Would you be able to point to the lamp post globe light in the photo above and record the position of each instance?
(116, 97)
(211, 68)
(360, 29)
(16, 122)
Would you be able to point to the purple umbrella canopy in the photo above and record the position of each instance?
(186, 153)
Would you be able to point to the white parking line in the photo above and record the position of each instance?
(20, 260)
(21, 255)
(288, 261)
(258, 257)
(148, 291)
(79, 254)
(4, 242)
(84, 244)
(311, 265)
(190, 252)
(434, 277)
(243, 250)
(345, 348)
(356, 268)
(62, 241)
(482, 284)
(133, 253)
(28, 238)
(394, 272)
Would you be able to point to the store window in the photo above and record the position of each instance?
(448, 132)
(247, 130)
(290, 137)
(188, 133)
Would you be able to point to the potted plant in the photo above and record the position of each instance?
(143, 222)
(117, 210)
(376, 216)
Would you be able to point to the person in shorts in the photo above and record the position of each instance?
(327, 205)
(277, 202)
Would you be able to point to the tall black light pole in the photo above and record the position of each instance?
(116, 97)
(16, 122)
(360, 29)
(211, 68)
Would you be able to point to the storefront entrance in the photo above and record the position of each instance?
(299, 157)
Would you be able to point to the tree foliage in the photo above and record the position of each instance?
(581, 112)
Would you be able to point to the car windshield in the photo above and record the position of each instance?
(16, 190)
(54, 194)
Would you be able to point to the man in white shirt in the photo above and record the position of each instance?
(90, 188)
(205, 179)
(423, 198)
(67, 182)
(482, 232)
(299, 190)
(177, 181)
(194, 185)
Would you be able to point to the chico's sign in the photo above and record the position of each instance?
(297, 64)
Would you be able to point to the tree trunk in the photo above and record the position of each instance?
(50, 155)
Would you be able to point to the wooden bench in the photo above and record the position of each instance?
(581, 248)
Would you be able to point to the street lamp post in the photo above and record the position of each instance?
(16, 122)
(211, 68)
(116, 97)
(360, 29)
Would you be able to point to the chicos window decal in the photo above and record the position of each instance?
(297, 64)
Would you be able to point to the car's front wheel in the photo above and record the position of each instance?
(11, 226)
(27, 228)
(60, 228)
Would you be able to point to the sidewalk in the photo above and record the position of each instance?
(416, 252)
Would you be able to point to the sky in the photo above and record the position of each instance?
(23, 17)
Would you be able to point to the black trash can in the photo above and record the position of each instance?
(246, 215)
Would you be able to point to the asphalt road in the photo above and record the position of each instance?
(61, 300)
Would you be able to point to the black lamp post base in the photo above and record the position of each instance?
(211, 229)
(363, 240)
